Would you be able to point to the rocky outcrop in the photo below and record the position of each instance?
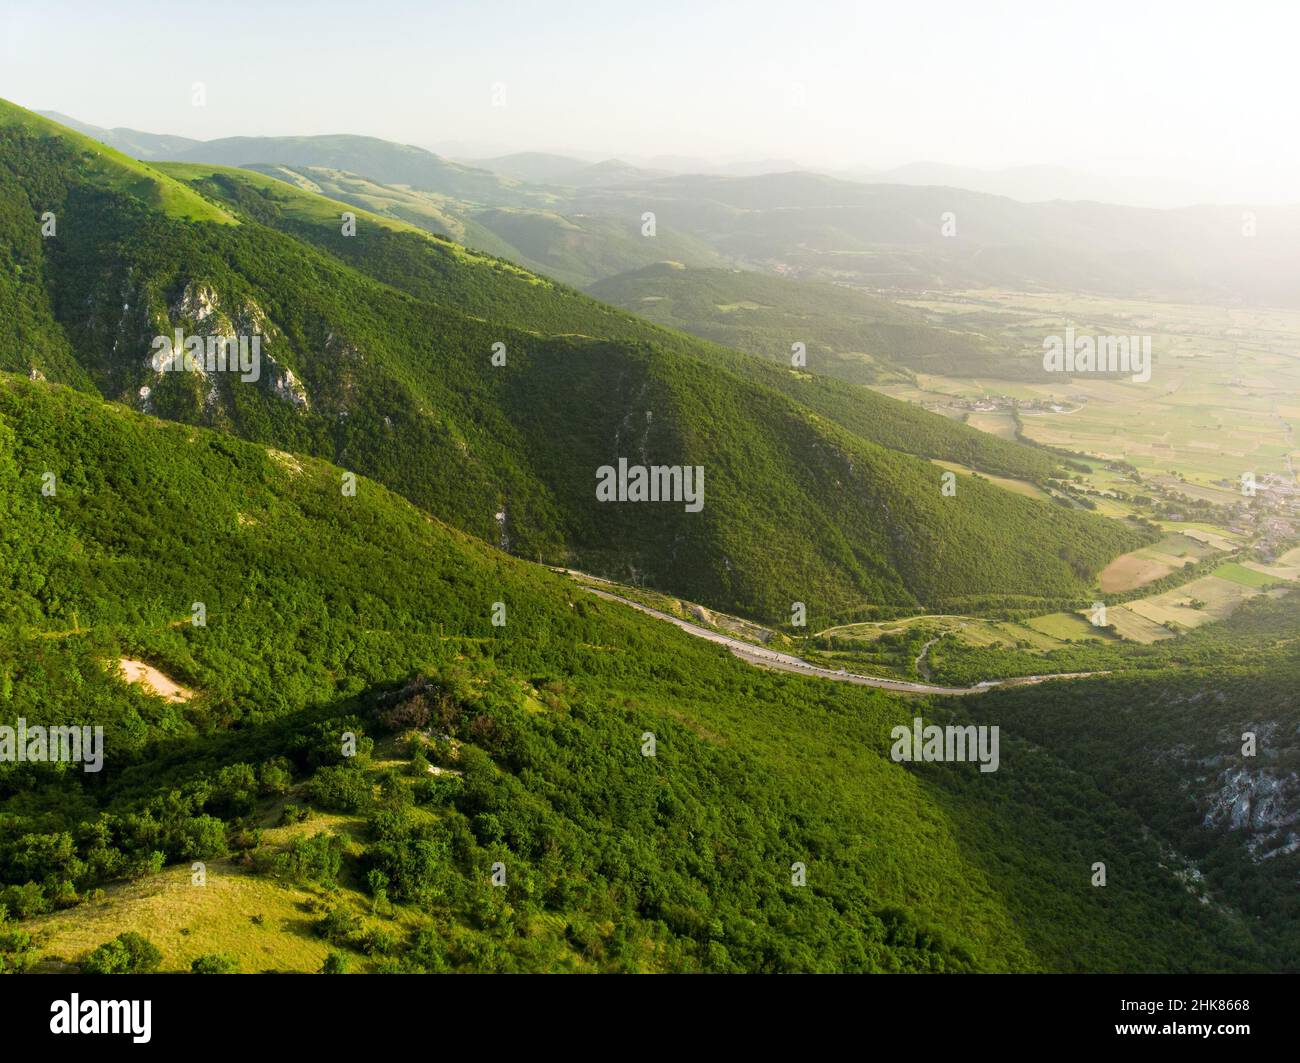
(1261, 803)
(284, 385)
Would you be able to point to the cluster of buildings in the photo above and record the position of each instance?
(998, 403)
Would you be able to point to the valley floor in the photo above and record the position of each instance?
(786, 662)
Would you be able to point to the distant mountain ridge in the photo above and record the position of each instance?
(1041, 184)
(541, 168)
(887, 237)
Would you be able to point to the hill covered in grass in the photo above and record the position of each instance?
(573, 250)
(377, 354)
(382, 160)
(331, 614)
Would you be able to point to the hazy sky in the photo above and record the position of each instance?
(1202, 91)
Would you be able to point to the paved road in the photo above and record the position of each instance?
(786, 662)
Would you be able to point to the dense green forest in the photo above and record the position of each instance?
(435, 756)
(434, 272)
(378, 355)
(330, 613)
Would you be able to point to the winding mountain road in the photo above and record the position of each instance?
(786, 662)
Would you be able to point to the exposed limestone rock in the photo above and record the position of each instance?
(284, 385)
(1261, 803)
(197, 302)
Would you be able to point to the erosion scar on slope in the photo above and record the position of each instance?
(152, 680)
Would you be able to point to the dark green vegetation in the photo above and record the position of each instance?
(377, 355)
(330, 614)
(128, 953)
(847, 334)
(1169, 745)
(349, 647)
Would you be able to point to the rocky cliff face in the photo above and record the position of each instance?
(1257, 795)
(201, 311)
(1263, 805)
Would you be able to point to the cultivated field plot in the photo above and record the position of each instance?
(1215, 538)
(995, 424)
(1217, 405)
(1065, 627)
(1286, 567)
(1129, 625)
(1246, 576)
(1200, 602)
(1151, 563)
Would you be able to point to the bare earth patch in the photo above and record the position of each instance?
(1130, 571)
(286, 461)
(152, 680)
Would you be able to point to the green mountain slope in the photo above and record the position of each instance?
(381, 160)
(574, 250)
(377, 354)
(434, 271)
(91, 163)
(845, 333)
(322, 610)
(136, 143)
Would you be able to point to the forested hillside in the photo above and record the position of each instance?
(329, 613)
(1206, 748)
(377, 354)
(845, 333)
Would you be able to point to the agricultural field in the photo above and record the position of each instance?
(1002, 425)
(1207, 534)
(1136, 569)
(1220, 401)
(1064, 627)
(1218, 598)
(1285, 567)
(1133, 627)
(1247, 577)
(1150, 619)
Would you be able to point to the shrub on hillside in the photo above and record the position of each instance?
(128, 953)
(215, 963)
